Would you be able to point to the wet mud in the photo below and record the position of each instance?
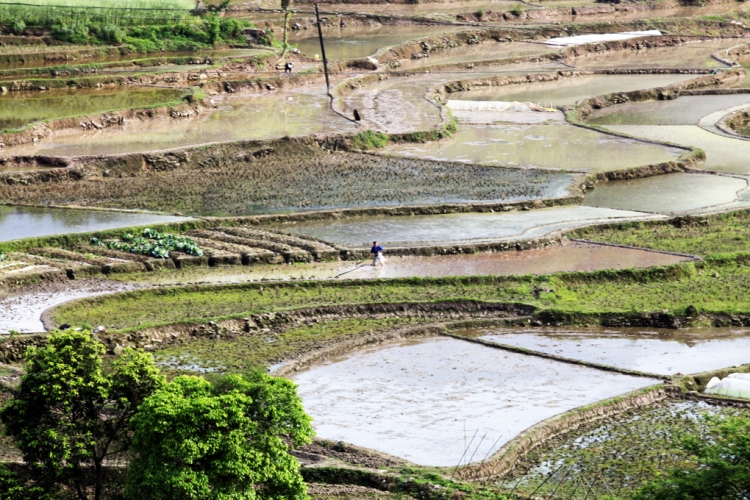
(570, 257)
(21, 310)
(558, 146)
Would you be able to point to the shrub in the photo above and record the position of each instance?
(111, 34)
(19, 27)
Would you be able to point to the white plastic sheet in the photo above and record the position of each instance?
(567, 41)
(732, 387)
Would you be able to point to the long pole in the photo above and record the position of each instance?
(323, 49)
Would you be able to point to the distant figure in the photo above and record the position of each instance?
(356, 116)
(377, 254)
(288, 67)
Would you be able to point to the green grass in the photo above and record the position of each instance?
(263, 349)
(621, 454)
(717, 286)
(705, 236)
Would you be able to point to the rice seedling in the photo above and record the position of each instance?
(619, 455)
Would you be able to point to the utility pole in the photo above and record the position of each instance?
(323, 50)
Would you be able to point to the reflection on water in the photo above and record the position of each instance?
(667, 193)
(665, 352)
(417, 399)
(297, 112)
(21, 108)
(547, 146)
(358, 231)
(685, 110)
(22, 222)
(723, 154)
(569, 90)
(342, 44)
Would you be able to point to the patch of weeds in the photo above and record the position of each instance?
(236, 355)
(370, 139)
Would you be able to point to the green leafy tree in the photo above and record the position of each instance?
(68, 416)
(227, 440)
(722, 470)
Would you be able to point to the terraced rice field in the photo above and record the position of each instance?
(548, 272)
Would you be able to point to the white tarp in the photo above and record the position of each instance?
(741, 376)
(567, 41)
(732, 387)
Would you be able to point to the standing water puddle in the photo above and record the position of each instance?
(21, 222)
(665, 352)
(667, 193)
(546, 146)
(453, 228)
(424, 400)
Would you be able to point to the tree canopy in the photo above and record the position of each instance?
(68, 415)
(228, 440)
(722, 470)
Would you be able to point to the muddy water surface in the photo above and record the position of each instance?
(22, 310)
(668, 193)
(665, 352)
(424, 400)
(573, 257)
(453, 228)
(723, 154)
(21, 222)
(263, 116)
(487, 51)
(342, 44)
(687, 56)
(21, 108)
(569, 90)
(686, 110)
(559, 146)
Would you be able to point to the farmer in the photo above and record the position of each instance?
(288, 67)
(377, 254)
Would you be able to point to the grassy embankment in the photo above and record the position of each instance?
(717, 286)
(717, 234)
(140, 26)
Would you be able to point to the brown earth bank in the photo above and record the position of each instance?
(736, 123)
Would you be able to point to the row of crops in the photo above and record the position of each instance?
(151, 243)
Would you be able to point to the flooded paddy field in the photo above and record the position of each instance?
(487, 51)
(558, 146)
(29, 222)
(397, 104)
(278, 183)
(422, 400)
(291, 113)
(685, 110)
(665, 352)
(687, 56)
(21, 310)
(621, 454)
(453, 228)
(570, 257)
(348, 43)
(22, 108)
(568, 91)
(669, 193)
(723, 154)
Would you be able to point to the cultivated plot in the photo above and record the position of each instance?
(424, 400)
(665, 352)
